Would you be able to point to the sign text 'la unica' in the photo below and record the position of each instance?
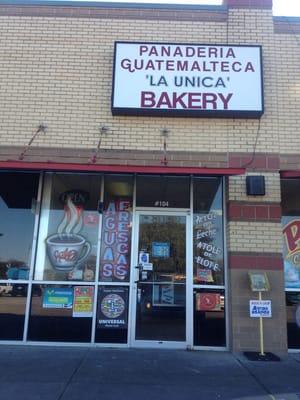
(187, 80)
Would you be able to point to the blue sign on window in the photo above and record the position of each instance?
(161, 249)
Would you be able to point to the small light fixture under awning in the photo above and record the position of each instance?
(53, 166)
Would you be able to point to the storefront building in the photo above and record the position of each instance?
(150, 164)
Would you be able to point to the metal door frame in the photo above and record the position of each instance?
(133, 342)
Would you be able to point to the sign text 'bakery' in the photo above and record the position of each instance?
(187, 80)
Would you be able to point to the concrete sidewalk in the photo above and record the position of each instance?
(55, 373)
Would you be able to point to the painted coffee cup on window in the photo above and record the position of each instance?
(66, 251)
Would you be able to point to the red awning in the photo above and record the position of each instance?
(52, 166)
(290, 174)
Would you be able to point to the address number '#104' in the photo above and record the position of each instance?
(160, 203)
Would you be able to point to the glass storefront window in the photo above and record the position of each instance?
(293, 319)
(163, 191)
(69, 225)
(208, 232)
(290, 203)
(17, 194)
(61, 313)
(72, 250)
(290, 190)
(112, 314)
(12, 310)
(116, 229)
(161, 289)
(209, 317)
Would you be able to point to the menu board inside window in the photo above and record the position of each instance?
(208, 243)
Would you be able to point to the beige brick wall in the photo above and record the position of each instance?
(262, 237)
(245, 330)
(256, 27)
(59, 70)
(288, 92)
(237, 188)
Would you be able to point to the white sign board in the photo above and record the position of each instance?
(147, 266)
(187, 80)
(143, 257)
(260, 308)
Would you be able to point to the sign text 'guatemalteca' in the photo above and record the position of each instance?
(187, 80)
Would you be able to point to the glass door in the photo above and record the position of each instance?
(159, 294)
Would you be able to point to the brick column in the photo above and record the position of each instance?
(255, 244)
